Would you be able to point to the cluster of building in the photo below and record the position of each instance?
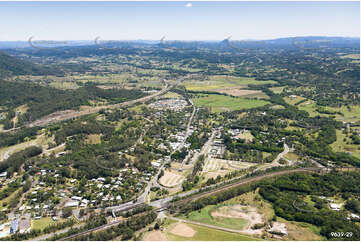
(159, 162)
(217, 149)
(174, 104)
(16, 225)
(337, 207)
(180, 138)
(3, 176)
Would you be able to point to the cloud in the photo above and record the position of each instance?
(188, 5)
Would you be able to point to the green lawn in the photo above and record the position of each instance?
(209, 234)
(220, 103)
(41, 223)
(204, 216)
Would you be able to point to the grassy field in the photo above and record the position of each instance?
(41, 140)
(310, 107)
(8, 199)
(220, 103)
(219, 82)
(204, 216)
(93, 139)
(340, 146)
(209, 234)
(171, 95)
(277, 89)
(349, 115)
(137, 108)
(293, 100)
(291, 156)
(41, 223)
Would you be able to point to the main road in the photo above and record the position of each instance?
(69, 114)
(154, 181)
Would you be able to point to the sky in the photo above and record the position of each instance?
(176, 20)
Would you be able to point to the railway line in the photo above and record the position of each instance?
(216, 190)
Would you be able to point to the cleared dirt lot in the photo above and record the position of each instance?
(246, 135)
(170, 179)
(183, 230)
(214, 167)
(247, 213)
(155, 236)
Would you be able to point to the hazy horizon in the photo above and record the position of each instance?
(205, 40)
(184, 21)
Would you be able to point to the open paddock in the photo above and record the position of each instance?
(221, 103)
(238, 92)
(212, 83)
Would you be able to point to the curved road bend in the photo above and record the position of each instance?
(275, 162)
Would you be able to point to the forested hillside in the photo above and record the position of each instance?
(12, 66)
(42, 100)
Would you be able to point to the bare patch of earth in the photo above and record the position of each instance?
(183, 230)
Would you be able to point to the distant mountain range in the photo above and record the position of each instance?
(10, 65)
(276, 42)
